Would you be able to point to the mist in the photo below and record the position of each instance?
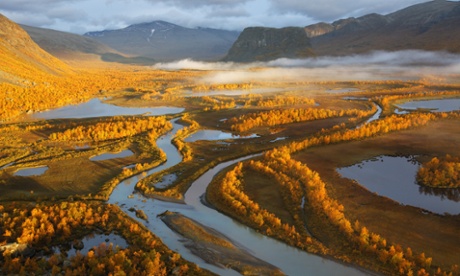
(378, 65)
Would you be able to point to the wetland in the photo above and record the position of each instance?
(322, 186)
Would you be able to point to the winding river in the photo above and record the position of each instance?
(289, 259)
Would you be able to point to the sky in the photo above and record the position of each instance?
(81, 16)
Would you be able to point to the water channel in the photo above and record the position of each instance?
(289, 259)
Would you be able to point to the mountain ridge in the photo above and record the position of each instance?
(426, 26)
(165, 41)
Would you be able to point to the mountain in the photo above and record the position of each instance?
(432, 26)
(263, 44)
(164, 41)
(21, 58)
(67, 46)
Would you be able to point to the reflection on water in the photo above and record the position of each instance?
(31, 171)
(96, 108)
(394, 177)
(447, 194)
(444, 105)
(108, 155)
(212, 135)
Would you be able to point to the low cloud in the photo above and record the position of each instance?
(401, 65)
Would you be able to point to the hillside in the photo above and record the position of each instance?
(431, 26)
(67, 46)
(263, 44)
(164, 41)
(21, 58)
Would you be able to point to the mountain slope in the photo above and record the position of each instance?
(430, 26)
(164, 41)
(263, 44)
(21, 57)
(65, 45)
(73, 47)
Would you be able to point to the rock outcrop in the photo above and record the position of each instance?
(263, 44)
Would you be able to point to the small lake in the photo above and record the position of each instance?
(212, 135)
(394, 177)
(31, 171)
(96, 108)
(444, 105)
(109, 155)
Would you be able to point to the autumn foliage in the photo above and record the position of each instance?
(440, 173)
(287, 116)
(46, 225)
(115, 128)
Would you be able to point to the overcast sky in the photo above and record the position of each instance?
(80, 16)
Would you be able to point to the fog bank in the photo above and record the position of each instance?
(378, 65)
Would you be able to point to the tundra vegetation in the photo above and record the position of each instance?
(291, 192)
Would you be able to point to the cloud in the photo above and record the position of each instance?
(95, 15)
(197, 4)
(30, 6)
(331, 10)
(402, 65)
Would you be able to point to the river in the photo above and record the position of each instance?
(290, 260)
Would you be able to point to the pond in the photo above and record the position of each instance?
(94, 240)
(166, 181)
(443, 105)
(394, 177)
(31, 171)
(96, 108)
(109, 155)
(211, 135)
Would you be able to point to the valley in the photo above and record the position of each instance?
(285, 166)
